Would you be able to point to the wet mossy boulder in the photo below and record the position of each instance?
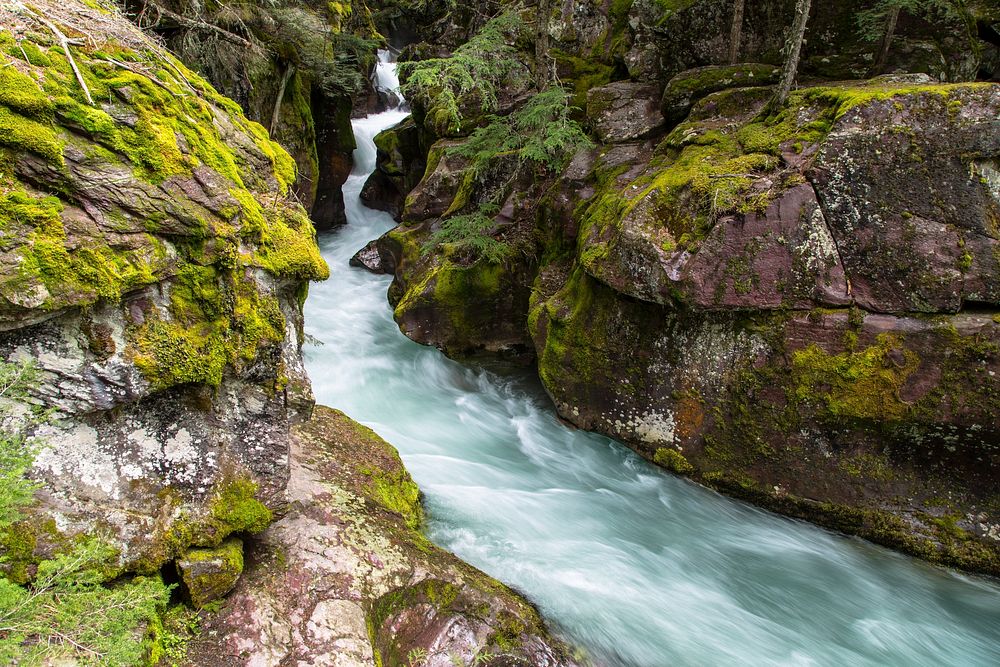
(399, 166)
(881, 426)
(209, 574)
(454, 303)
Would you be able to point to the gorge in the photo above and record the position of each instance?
(637, 567)
(685, 370)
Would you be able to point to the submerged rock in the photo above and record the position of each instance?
(370, 258)
(345, 578)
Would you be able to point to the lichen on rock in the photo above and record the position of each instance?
(344, 575)
(153, 264)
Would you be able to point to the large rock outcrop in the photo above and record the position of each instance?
(153, 266)
(800, 310)
(344, 578)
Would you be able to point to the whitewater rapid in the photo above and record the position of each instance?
(637, 567)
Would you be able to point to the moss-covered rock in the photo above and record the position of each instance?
(298, 67)
(209, 574)
(716, 313)
(399, 167)
(624, 111)
(689, 86)
(152, 262)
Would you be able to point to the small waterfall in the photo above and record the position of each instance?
(365, 130)
(640, 568)
(386, 80)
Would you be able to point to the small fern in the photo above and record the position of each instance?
(542, 133)
(479, 67)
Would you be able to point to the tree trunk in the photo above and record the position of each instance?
(793, 52)
(542, 44)
(883, 49)
(289, 71)
(736, 31)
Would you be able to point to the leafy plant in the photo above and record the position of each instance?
(542, 131)
(416, 657)
(180, 625)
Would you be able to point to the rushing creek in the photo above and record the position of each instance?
(635, 566)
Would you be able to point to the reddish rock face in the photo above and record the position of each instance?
(910, 198)
(787, 355)
(343, 578)
(753, 297)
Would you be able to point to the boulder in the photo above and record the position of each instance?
(370, 258)
(688, 87)
(399, 165)
(624, 111)
(908, 185)
(152, 265)
(209, 574)
(345, 577)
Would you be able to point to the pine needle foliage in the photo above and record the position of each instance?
(472, 232)
(68, 613)
(872, 21)
(543, 134)
(479, 67)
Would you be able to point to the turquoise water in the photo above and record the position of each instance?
(637, 567)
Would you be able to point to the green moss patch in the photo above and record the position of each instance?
(673, 460)
(210, 573)
(855, 385)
